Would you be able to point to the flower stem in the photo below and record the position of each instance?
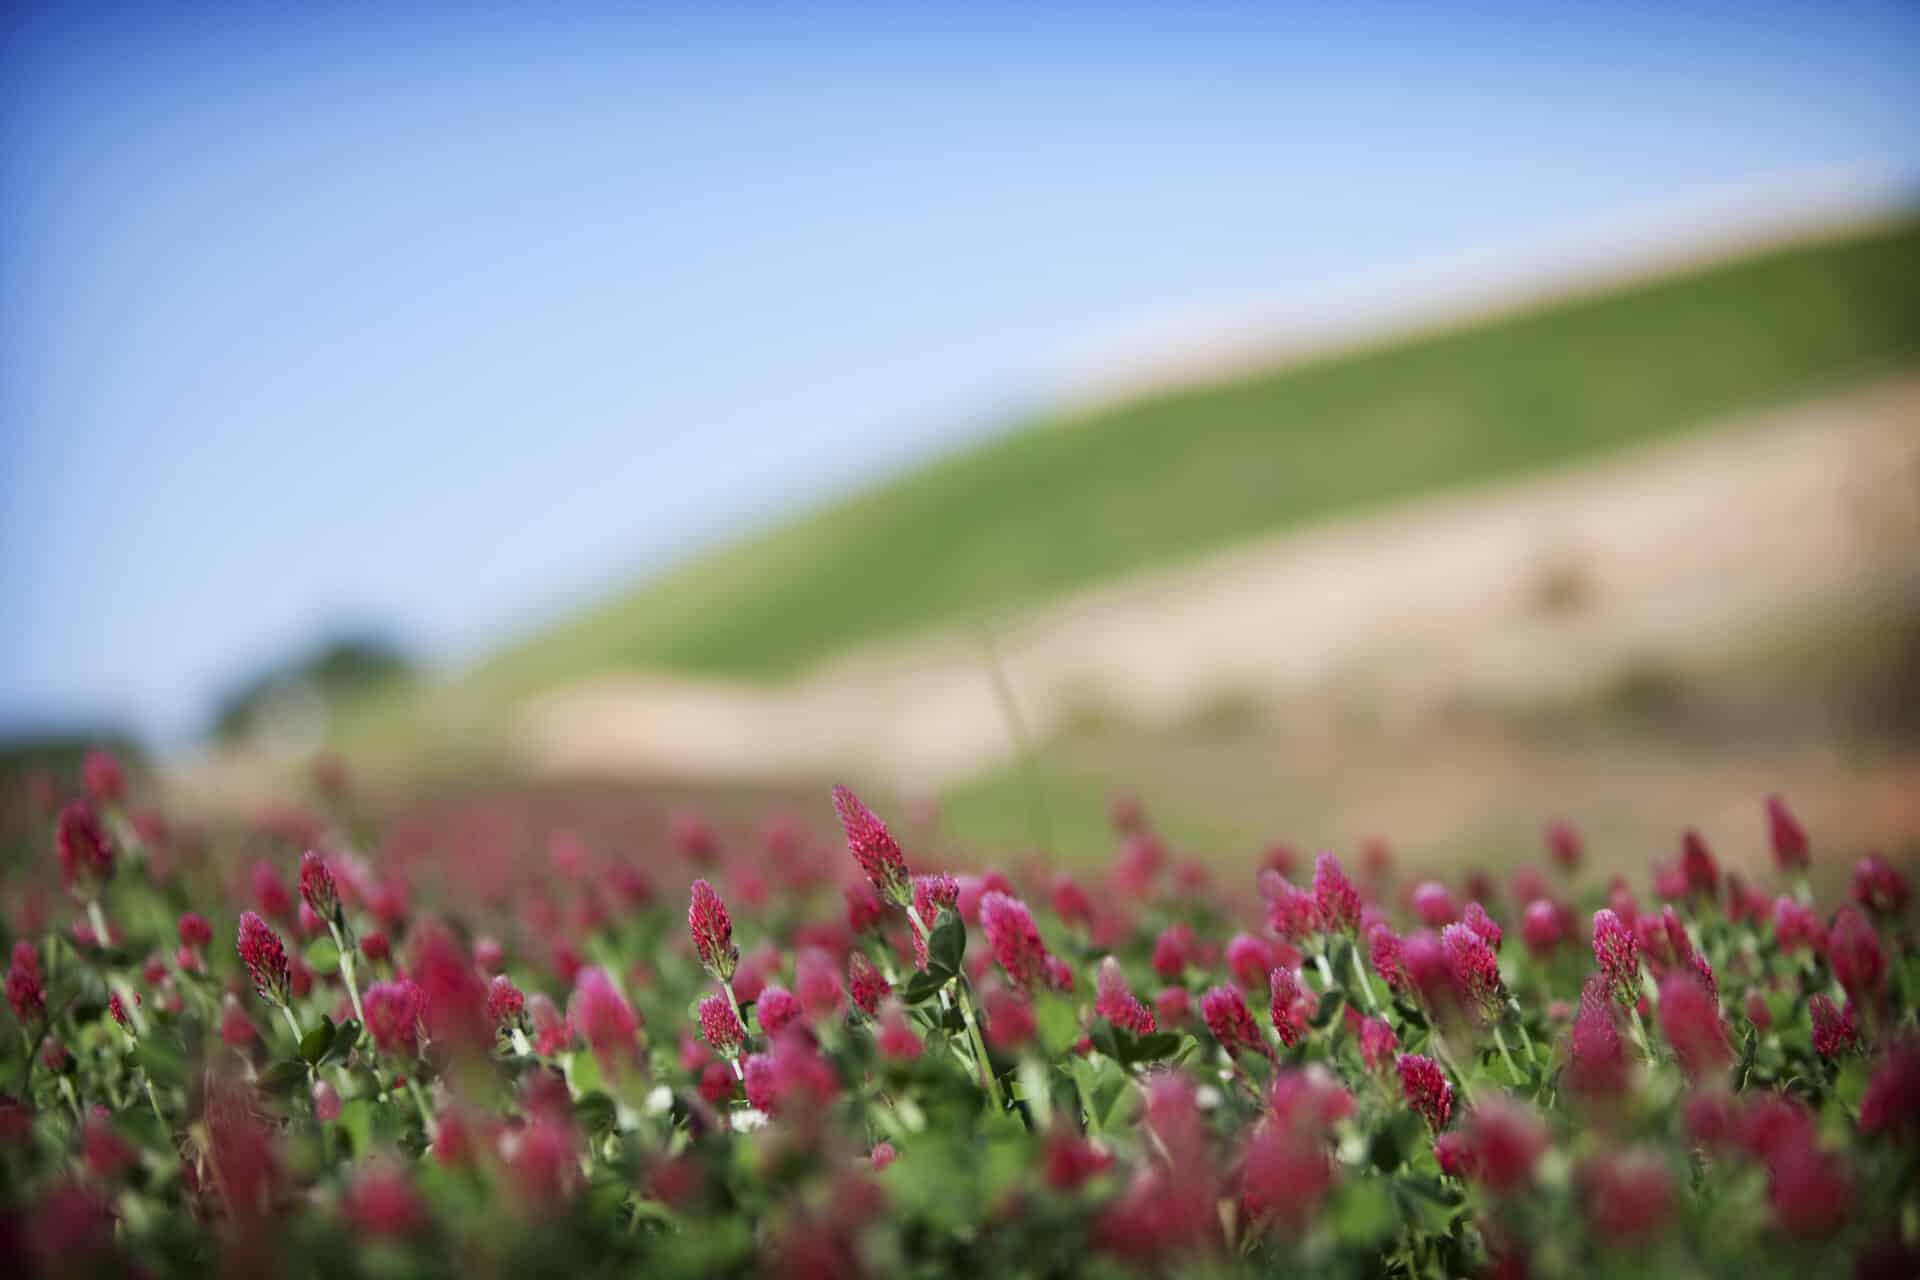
(426, 1116)
(1526, 1041)
(346, 971)
(1366, 988)
(98, 920)
(1639, 1029)
(26, 1068)
(920, 926)
(1445, 1052)
(1326, 970)
(979, 1048)
(129, 1003)
(1022, 744)
(294, 1023)
(1506, 1057)
(738, 1016)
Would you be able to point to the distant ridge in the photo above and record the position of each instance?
(1079, 497)
(1206, 343)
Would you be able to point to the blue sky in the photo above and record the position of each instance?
(446, 322)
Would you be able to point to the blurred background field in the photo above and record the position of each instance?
(1625, 531)
(895, 606)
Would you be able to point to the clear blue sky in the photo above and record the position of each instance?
(447, 322)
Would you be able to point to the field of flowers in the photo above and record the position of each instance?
(287, 1051)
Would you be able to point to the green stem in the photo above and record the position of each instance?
(1506, 1057)
(979, 1046)
(99, 922)
(346, 971)
(1022, 745)
(1526, 1041)
(1639, 1029)
(1445, 1052)
(739, 1017)
(1032, 1074)
(426, 1116)
(1360, 976)
(926, 935)
(125, 834)
(1326, 970)
(293, 1022)
(129, 1003)
(1158, 1145)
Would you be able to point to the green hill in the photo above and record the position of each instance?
(1066, 501)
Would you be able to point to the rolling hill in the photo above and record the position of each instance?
(1067, 501)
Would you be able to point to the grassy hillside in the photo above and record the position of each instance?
(1065, 502)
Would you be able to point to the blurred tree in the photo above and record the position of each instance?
(58, 751)
(348, 664)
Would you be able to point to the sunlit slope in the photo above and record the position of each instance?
(1061, 503)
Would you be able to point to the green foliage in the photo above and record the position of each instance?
(453, 1138)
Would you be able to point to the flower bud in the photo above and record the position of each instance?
(265, 958)
(719, 1027)
(874, 848)
(712, 932)
(317, 889)
(1225, 1012)
(1116, 1003)
(1335, 899)
(1013, 939)
(1426, 1089)
(1788, 838)
(85, 852)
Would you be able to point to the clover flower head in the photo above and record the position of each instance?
(1618, 954)
(1426, 1089)
(932, 894)
(719, 1027)
(601, 1015)
(1013, 939)
(1290, 1006)
(1880, 888)
(712, 932)
(1691, 1022)
(1116, 1003)
(866, 985)
(317, 888)
(874, 848)
(265, 958)
(1787, 837)
(1834, 1029)
(505, 1002)
(84, 851)
(1335, 899)
(1224, 1010)
(1475, 970)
